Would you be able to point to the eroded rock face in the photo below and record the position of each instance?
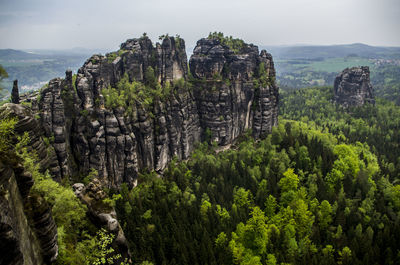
(33, 239)
(27, 122)
(352, 87)
(88, 135)
(102, 214)
(228, 96)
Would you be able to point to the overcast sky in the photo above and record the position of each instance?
(54, 24)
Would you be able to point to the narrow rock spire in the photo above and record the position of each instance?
(15, 93)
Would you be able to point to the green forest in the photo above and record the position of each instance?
(322, 188)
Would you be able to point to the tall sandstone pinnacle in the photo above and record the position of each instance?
(225, 92)
(352, 87)
(15, 93)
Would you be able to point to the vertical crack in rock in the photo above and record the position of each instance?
(223, 94)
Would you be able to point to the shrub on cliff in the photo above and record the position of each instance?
(234, 44)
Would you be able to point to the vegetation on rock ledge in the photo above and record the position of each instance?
(235, 45)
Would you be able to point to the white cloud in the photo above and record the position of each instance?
(106, 23)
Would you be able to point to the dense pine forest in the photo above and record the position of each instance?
(198, 133)
(322, 188)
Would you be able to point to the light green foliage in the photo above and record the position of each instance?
(147, 214)
(235, 45)
(372, 125)
(6, 133)
(73, 81)
(205, 206)
(111, 56)
(325, 214)
(146, 263)
(92, 174)
(3, 75)
(276, 192)
(289, 182)
(68, 212)
(223, 213)
(263, 79)
(102, 251)
(345, 255)
(221, 240)
(242, 197)
(131, 95)
(110, 202)
(77, 243)
(249, 242)
(348, 162)
(271, 260)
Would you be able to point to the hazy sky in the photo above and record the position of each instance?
(105, 24)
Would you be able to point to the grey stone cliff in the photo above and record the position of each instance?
(220, 95)
(102, 214)
(352, 87)
(28, 233)
(227, 97)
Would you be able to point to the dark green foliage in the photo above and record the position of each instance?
(386, 82)
(300, 196)
(294, 197)
(378, 125)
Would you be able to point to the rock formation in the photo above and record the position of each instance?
(227, 90)
(102, 214)
(18, 242)
(15, 93)
(26, 240)
(27, 122)
(352, 87)
(226, 93)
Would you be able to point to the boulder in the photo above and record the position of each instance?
(352, 87)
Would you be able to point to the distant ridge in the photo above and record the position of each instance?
(331, 51)
(11, 54)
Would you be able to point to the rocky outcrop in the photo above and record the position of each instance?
(53, 112)
(15, 93)
(26, 225)
(87, 135)
(226, 93)
(232, 92)
(44, 226)
(352, 87)
(102, 214)
(18, 242)
(26, 240)
(27, 122)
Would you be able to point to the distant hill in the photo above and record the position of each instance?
(333, 51)
(304, 66)
(33, 68)
(10, 54)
